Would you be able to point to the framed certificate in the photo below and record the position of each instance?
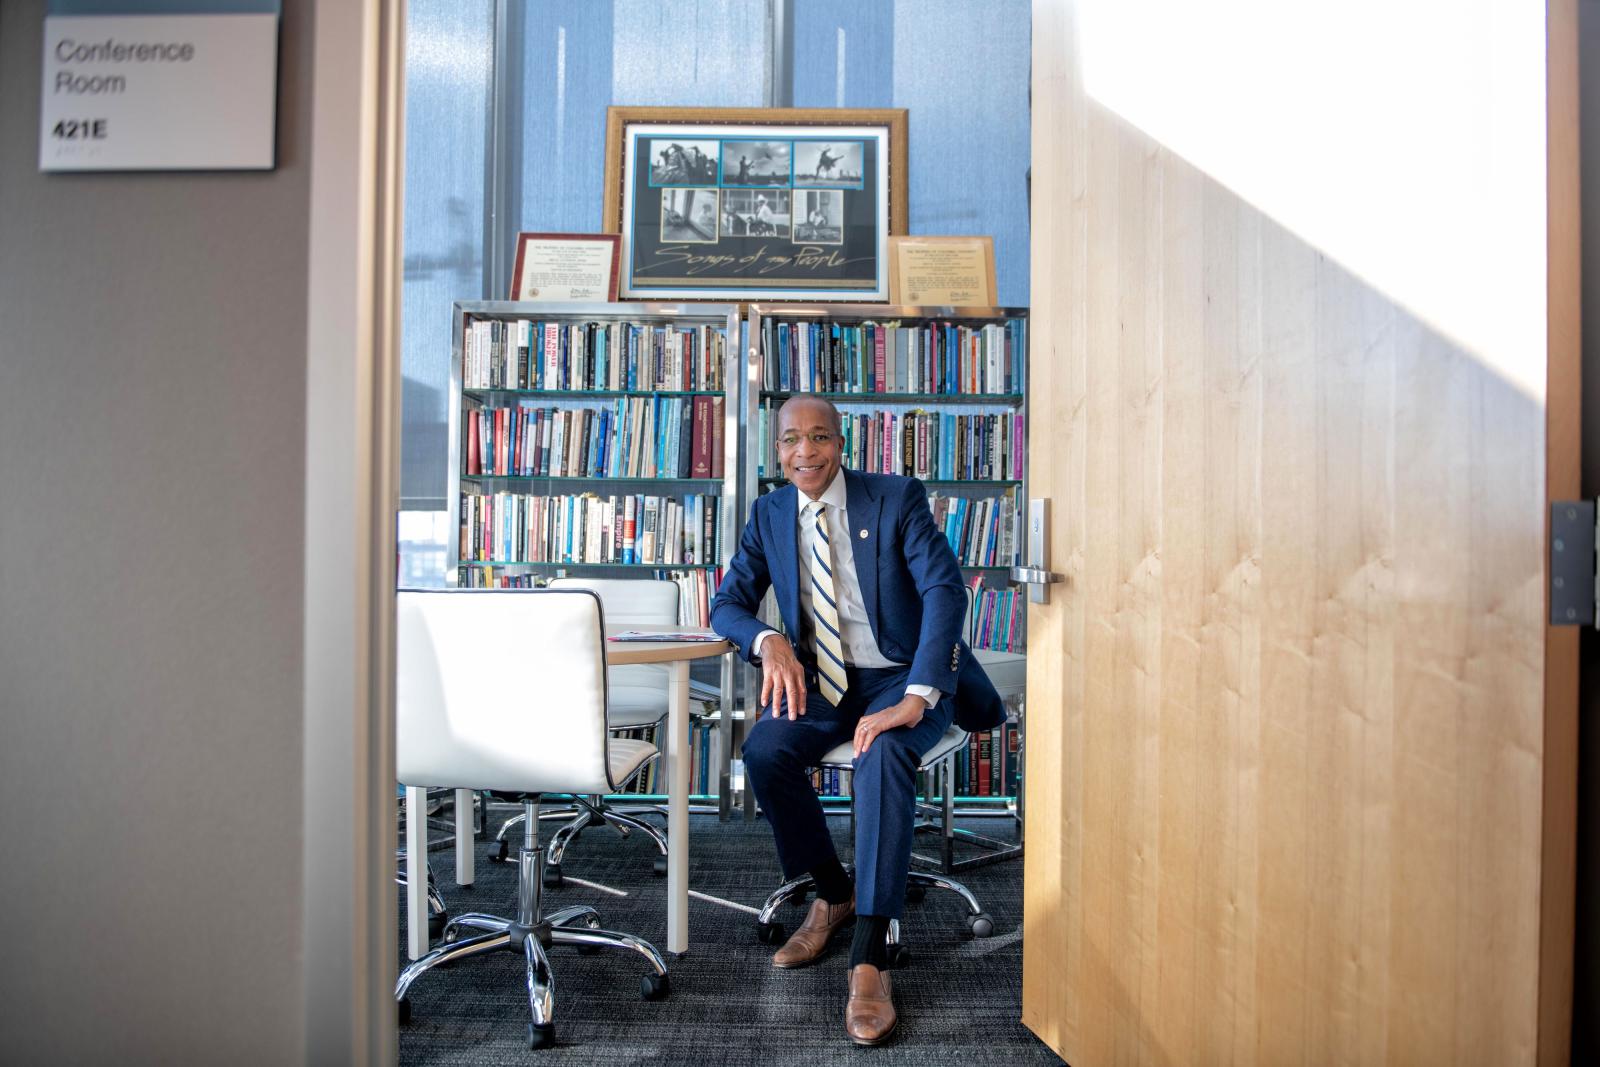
(734, 203)
(942, 271)
(566, 267)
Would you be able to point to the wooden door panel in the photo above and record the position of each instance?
(1288, 798)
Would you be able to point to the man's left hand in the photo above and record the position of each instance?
(908, 712)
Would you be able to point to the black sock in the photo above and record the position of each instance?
(871, 941)
(833, 885)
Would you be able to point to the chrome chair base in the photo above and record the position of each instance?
(770, 931)
(994, 849)
(590, 811)
(939, 819)
(532, 934)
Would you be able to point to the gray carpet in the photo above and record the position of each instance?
(959, 998)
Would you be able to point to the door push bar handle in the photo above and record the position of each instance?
(1037, 575)
(1034, 576)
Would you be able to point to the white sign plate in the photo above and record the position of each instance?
(158, 92)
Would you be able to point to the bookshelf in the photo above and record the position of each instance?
(938, 393)
(592, 439)
(595, 440)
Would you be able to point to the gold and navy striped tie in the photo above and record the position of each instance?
(825, 611)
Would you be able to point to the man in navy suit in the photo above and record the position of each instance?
(872, 599)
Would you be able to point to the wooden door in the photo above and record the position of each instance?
(1301, 747)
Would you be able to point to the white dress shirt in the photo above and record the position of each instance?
(855, 630)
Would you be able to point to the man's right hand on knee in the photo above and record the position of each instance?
(783, 679)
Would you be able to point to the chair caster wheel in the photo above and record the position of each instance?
(654, 987)
(899, 956)
(403, 1009)
(552, 878)
(541, 1036)
(980, 925)
(503, 853)
(436, 925)
(915, 894)
(659, 867)
(770, 933)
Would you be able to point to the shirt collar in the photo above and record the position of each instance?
(835, 496)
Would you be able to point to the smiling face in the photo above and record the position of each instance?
(809, 445)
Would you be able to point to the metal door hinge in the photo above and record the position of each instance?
(1573, 585)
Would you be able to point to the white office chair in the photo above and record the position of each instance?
(842, 757)
(505, 691)
(638, 700)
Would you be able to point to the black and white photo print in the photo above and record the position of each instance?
(820, 218)
(746, 163)
(689, 216)
(827, 164)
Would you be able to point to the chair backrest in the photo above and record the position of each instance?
(502, 689)
(631, 601)
(634, 602)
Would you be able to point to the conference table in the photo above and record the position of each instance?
(676, 656)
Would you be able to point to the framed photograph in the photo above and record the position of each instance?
(566, 266)
(942, 271)
(750, 203)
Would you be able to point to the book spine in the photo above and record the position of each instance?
(717, 441)
(880, 361)
(630, 527)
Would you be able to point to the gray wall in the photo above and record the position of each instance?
(152, 427)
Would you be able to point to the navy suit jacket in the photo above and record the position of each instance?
(909, 577)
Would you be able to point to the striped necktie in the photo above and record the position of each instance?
(825, 611)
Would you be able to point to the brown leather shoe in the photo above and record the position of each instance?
(807, 943)
(869, 1013)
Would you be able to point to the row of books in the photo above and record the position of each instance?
(704, 761)
(995, 619)
(507, 527)
(637, 437)
(609, 356)
(696, 589)
(698, 586)
(942, 445)
(989, 766)
(982, 532)
(871, 357)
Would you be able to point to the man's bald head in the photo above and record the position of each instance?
(794, 412)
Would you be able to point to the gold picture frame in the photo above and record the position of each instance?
(942, 271)
(755, 203)
(564, 267)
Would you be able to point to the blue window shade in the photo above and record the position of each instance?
(447, 95)
(961, 69)
(580, 59)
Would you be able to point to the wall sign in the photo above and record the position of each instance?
(154, 91)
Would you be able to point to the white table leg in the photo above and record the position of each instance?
(416, 871)
(464, 838)
(678, 808)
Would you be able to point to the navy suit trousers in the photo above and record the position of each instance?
(779, 756)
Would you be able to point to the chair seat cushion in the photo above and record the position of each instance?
(629, 706)
(843, 754)
(625, 755)
(1007, 670)
(632, 717)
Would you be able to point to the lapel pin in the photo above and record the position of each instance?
(863, 535)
